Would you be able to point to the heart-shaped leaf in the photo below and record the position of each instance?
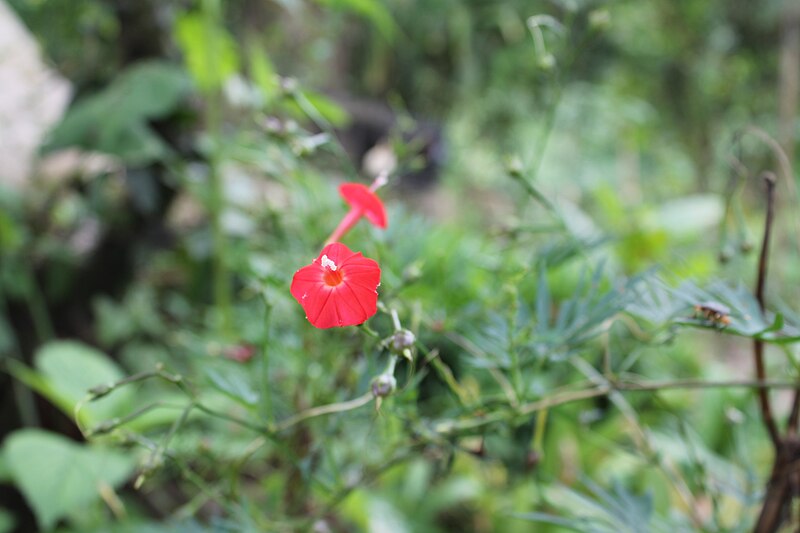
(71, 369)
(58, 476)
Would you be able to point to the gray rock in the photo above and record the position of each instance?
(33, 97)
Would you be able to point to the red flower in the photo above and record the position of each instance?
(363, 202)
(339, 288)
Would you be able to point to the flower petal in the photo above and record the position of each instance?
(350, 302)
(361, 197)
(336, 252)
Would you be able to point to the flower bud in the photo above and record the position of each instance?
(515, 167)
(288, 85)
(99, 391)
(383, 386)
(547, 61)
(726, 254)
(412, 272)
(402, 340)
(599, 19)
(734, 416)
(273, 125)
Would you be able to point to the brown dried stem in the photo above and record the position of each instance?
(758, 345)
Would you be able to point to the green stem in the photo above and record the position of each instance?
(266, 385)
(445, 374)
(339, 407)
(23, 396)
(396, 320)
(37, 306)
(391, 365)
(220, 277)
(114, 423)
(516, 373)
(456, 426)
(157, 454)
(324, 125)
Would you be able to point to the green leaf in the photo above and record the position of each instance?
(133, 525)
(571, 523)
(115, 120)
(600, 510)
(746, 318)
(58, 476)
(543, 302)
(690, 215)
(317, 107)
(66, 370)
(210, 52)
(114, 323)
(263, 73)
(34, 381)
(383, 516)
(234, 382)
(5, 473)
(7, 521)
(371, 10)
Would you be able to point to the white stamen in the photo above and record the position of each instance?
(327, 263)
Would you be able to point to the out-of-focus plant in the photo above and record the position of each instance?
(518, 368)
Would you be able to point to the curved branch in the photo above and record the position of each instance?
(758, 345)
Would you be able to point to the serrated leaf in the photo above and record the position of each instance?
(543, 302)
(583, 507)
(607, 511)
(576, 524)
(58, 476)
(746, 318)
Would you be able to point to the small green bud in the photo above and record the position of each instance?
(515, 167)
(734, 415)
(104, 427)
(100, 390)
(412, 272)
(726, 254)
(547, 61)
(599, 19)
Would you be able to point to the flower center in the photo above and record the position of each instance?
(331, 274)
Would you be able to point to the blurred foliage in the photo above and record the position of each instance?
(116, 120)
(599, 162)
